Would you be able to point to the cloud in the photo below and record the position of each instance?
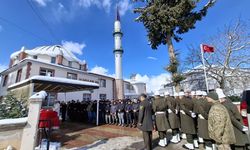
(42, 3)
(124, 6)
(153, 83)
(101, 70)
(74, 47)
(106, 4)
(102, 4)
(152, 58)
(3, 67)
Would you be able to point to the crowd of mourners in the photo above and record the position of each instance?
(204, 118)
(116, 112)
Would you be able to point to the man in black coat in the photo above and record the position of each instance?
(145, 121)
(135, 107)
(63, 110)
(128, 112)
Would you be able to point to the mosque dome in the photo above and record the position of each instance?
(51, 51)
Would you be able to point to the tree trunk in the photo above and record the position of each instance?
(222, 83)
(173, 59)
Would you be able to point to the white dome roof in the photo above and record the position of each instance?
(52, 51)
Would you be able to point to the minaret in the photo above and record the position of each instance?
(118, 51)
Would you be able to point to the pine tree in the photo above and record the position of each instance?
(166, 20)
(11, 107)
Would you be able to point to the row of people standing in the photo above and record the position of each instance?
(122, 112)
(195, 116)
(118, 112)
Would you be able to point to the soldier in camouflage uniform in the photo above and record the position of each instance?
(220, 128)
(240, 130)
(161, 120)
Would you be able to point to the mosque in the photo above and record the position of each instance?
(64, 77)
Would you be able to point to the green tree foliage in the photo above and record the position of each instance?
(166, 20)
(11, 107)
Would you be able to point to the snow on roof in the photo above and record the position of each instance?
(55, 79)
(13, 121)
(52, 51)
(39, 95)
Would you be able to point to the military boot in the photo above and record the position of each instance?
(208, 148)
(189, 146)
(201, 140)
(162, 143)
(166, 141)
(178, 137)
(174, 139)
(196, 144)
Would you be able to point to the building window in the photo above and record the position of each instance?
(72, 76)
(129, 87)
(70, 63)
(102, 96)
(86, 97)
(19, 75)
(5, 80)
(47, 72)
(102, 83)
(35, 57)
(53, 60)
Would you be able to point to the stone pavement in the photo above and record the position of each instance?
(79, 136)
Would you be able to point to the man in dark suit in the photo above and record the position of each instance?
(145, 121)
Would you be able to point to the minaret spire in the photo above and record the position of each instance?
(117, 14)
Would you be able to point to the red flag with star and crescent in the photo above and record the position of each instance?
(207, 48)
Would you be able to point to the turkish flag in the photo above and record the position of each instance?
(207, 48)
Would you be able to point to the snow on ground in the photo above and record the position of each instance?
(118, 143)
(13, 121)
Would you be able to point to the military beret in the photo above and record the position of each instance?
(213, 95)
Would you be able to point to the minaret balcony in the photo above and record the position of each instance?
(118, 50)
(117, 32)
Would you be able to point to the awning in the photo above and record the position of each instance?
(55, 84)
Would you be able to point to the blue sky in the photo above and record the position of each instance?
(87, 26)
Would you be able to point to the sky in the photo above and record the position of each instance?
(85, 27)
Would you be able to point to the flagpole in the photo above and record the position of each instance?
(204, 67)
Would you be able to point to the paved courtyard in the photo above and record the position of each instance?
(79, 136)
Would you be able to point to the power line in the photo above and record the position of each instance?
(42, 19)
(23, 29)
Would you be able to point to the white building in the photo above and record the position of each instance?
(58, 72)
(195, 80)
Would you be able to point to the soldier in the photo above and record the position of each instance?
(187, 119)
(120, 108)
(128, 111)
(107, 113)
(113, 112)
(145, 121)
(240, 130)
(174, 119)
(161, 120)
(197, 101)
(202, 110)
(220, 128)
(135, 107)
